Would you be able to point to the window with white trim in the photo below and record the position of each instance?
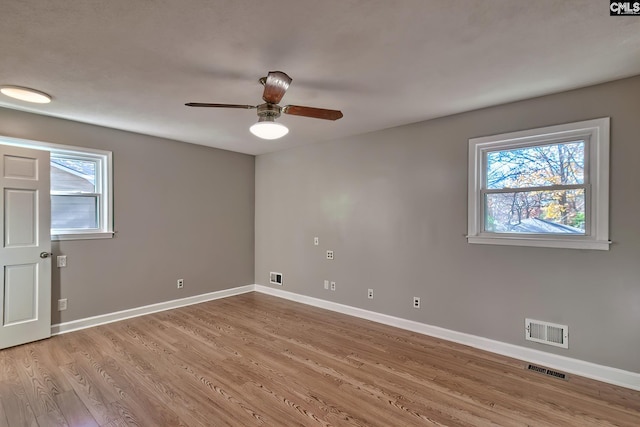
(81, 190)
(544, 187)
(80, 194)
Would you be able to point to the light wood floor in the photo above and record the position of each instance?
(258, 360)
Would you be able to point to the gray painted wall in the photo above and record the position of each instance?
(181, 211)
(393, 206)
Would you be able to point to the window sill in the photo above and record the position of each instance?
(541, 242)
(83, 236)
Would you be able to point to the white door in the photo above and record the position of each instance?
(25, 237)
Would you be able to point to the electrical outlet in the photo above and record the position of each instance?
(62, 304)
(416, 302)
(329, 254)
(326, 284)
(180, 283)
(333, 286)
(62, 261)
(275, 278)
(316, 241)
(370, 294)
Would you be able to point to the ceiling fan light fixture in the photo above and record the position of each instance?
(275, 85)
(267, 128)
(25, 94)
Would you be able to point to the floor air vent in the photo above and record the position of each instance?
(547, 333)
(546, 371)
(537, 369)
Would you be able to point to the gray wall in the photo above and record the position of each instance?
(393, 206)
(181, 211)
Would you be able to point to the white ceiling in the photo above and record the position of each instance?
(132, 64)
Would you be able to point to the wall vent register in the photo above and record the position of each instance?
(547, 333)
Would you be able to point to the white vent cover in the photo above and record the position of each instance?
(275, 278)
(546, 333)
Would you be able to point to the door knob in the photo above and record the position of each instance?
(45, 254)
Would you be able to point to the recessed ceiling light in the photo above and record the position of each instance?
(25, 94)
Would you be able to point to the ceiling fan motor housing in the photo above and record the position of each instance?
(269, 110)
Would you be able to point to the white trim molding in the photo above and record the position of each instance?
(102, 319)
(594, 371)
(582, 368)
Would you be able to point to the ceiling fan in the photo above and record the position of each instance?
(275, 85)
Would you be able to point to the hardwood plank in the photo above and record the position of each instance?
(97, 375)
(38, 381)
(7, 365)
(155, 399)
(254, 359)
(91, 393)
(135, 413)
(46, 358)
(53, 418)
(16, 406)
(120, 422)
(74, 411)
(4, 422)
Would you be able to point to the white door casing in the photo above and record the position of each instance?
(25, 246)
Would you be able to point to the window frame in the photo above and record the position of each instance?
(104, 183)
(595, 134)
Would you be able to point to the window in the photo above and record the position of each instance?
(81, 190)
(542, 187)
(80, 196)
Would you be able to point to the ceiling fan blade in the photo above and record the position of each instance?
(316, 113)
(201, 104)
(275, 85)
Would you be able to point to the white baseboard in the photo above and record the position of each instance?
(102, 319)
(562, 363)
